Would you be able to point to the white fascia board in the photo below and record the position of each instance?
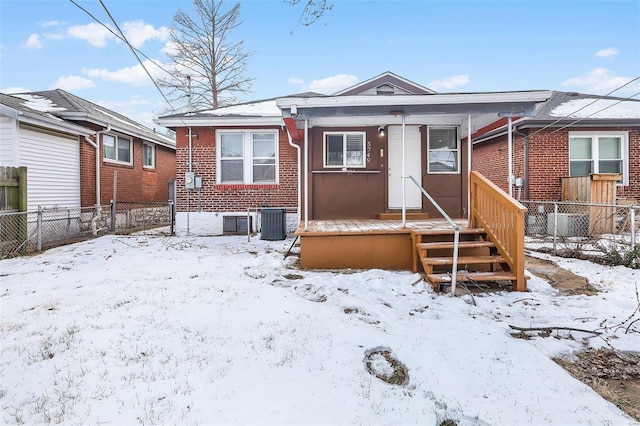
(60, 126)
(239, 121)
(388, 120)
(127, 129)
(402, 100)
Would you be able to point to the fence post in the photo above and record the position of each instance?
(39, 228)
(113, 215)
(632, 223)
(555, 226)
(172, 219)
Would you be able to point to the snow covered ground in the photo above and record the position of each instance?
(146, 329)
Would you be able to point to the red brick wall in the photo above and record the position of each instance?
(134, 183)
(231, 198)
(548, 162)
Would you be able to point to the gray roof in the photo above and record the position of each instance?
(564, 109)
(67, 106)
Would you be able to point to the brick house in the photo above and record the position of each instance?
(231, 159)
(345, 164)
(54, 134)
(571, 134)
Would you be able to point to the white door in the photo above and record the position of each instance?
(413, 167)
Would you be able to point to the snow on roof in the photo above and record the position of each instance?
(39, 103)
(597, 109)
(252, 109)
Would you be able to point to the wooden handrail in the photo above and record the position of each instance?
(502, 217)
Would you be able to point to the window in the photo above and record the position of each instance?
(443, 150)
(235, 224)
(344, 149)
(148, 156)
(117, 148)
(247, 157)
(598, 153)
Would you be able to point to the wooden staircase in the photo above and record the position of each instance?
(478, 257)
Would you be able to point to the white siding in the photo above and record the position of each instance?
(53, 168)
(8, 142)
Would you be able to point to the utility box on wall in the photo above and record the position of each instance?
(274, 224)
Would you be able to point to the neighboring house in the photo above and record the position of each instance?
(53, 133)
(253, 154)
(571, 134)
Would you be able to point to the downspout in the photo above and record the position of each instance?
(96, 145)
(525, 137)
(297, 147)
(469, 164)
(306, 172)
(404, 195)
(190, 170)
(510, 155)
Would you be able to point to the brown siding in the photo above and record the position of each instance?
(352, 194)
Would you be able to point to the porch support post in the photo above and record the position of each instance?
(510, 150)
(306, 172)
(469, 162)
(404, 178)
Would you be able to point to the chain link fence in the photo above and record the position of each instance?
(581, 230)
(33, 231)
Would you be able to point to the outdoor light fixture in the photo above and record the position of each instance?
(381, 130)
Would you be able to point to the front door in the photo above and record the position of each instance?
(413, 167)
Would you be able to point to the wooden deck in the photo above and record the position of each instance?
(372, 226)
(363, 243)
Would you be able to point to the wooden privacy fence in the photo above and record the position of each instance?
(13, 198)
(13, 189)
(502, 218)
(598, 188)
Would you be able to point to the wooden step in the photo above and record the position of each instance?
(471, 276)
(449, 231)
(463, 260)
(449, 244)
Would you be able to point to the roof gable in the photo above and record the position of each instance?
(386, 83)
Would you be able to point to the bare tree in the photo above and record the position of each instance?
(313, 10)
(208, 67)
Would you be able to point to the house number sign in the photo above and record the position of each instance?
(368, 152)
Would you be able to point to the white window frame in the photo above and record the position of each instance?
(247, 156)
(456, 151)
(116, 138)
(595, 136)
(344, 164)
(153, 155)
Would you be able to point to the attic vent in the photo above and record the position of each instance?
(385, 89)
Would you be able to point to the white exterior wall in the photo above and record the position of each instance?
(8, 142)
(209, 224)
(53, 168)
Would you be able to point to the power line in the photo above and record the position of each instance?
(594, 113)
(585, 106)
(123, 38)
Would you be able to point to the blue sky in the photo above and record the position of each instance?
(449, 46)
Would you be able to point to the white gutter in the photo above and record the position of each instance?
(299, 178)
(407, 100)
